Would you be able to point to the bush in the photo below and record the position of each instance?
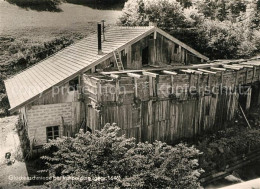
(226, 39)
(221, 147)
(121, 162)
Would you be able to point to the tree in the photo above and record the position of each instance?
(120, 162)
(168, 14)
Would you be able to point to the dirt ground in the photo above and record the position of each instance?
(14, 175)
(9, 142)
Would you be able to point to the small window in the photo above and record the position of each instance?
(52, 132)
(176, 48)
(73, 84)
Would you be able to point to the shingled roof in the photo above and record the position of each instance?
(73, 60)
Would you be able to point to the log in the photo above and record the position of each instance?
(150, 74)
(218, 69)
(134, 75)
(169, 72)
(114, 76)
(207, 71)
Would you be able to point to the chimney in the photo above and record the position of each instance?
(103, 29)
(99, 39)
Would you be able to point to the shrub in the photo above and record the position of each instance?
(121, 162)
(221, 147)
(226, 39)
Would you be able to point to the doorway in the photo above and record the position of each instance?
(145, 56)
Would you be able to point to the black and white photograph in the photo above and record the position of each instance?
(130, 94)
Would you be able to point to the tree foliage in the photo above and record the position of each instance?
(220, 148)
(39, 5)
(168, 14)
(216, 28)
(120, 162)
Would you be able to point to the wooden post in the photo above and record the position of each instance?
(190, 82)
(172, 84)
(222, 76)
(246, 75)
(236, 81)
(117, 90)
(208, 83)
(151, 86)
(99, 91)
(136, 87)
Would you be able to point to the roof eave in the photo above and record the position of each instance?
(181, 44)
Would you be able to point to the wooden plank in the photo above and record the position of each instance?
(247, 66)
(172, 84)
(134, 75)
(207, 71)
(218, 69)
(186, 71)
(169, 72)
(114, 76)
(151, 86)
(195, 71)
(231, 67)
(154, 75)
(181, 44)
(136, 87)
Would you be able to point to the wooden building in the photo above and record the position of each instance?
(127, 75)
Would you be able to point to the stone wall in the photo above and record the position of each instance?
(41, 116)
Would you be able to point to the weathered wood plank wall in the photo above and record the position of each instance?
(149, 109)
(161, 51)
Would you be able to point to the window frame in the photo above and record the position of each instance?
(52, 131)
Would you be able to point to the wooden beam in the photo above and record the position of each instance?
(186, 71)
(169, 72)
(218, 69)
(237, 65)
(150, 74)
(247, 66)
(195, 71)
(181, 44)
(207, 71)
(94, 78)
(134, 75)
(231, 67)
(114, 76)
(251, 63)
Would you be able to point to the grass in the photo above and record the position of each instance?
(25, 34)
